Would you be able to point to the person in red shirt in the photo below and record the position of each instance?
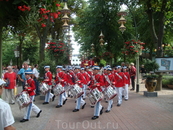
(132, 73)
(48, 81)
(127, 83)
(79, 79)
(61, 78)
(97, 82)
(30, 88)
(10, 79)
(119, 84)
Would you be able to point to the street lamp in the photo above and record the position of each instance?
(16, 54)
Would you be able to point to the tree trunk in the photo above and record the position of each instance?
(1, 26)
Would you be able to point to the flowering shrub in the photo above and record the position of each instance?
(107, 56)
(56, 48)
(133, 47)
(44, 13)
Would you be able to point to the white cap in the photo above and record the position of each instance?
(47, 66)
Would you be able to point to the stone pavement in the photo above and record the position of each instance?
(138, 113)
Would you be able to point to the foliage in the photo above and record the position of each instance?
(151, 76)
(167, 80)
(150, 65)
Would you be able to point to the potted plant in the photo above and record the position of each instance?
(151, 82)
(170, 85)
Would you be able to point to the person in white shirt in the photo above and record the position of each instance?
(36, 76)
(6, 117)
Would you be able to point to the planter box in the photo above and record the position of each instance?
(170, 86)
(150, 94)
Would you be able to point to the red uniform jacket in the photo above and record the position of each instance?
(126, 78)
(119, 79)
(70, 78)
(104, 78)
(97, 82)
(61, 78)
(80, 79)
(48, 78)
(31, 87)
(87, 78)
(109, 80)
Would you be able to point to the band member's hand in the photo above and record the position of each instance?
(22, 80)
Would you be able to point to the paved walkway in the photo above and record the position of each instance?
(138, 113)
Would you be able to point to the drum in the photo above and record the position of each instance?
(110, 93)
(76, 91)
(58, 89)
(94, 96)
(44, 88)
(23, 99)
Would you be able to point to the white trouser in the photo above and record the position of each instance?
(119, 94)
(80, 102)
(61, 99)
(84, 90)
(126, 91)
(9, 95)
(31, 107)
(97, 109)
(110, 103)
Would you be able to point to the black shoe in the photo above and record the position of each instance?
(38, 115)
(45, 103)
(53, 98)
(24, 120)
(83, 106)
(94, 117)
(58, 106)
(75, 110)
(64, 101)
(118, 105)
(132, 89)
(122, 96)
(92, 106)
(111, 105)
(106, 101)
(126, 99)
(83, 98)
(101, 111)
(107, 111)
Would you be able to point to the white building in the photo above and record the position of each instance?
(75, 59)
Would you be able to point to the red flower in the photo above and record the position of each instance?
(43, 25)
(57, 5)
(40, 19)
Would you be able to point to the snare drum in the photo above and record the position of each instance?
(110, 93)
(23, 99)
(44, 88)
(95, 96)
(76, 91)
(58, 89)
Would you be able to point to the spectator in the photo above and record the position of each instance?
(21, 73)
(10, 79)
(36, 76)
(6, 116)
(132, 73)
(143, 72)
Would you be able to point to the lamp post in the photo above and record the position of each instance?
(16, 54)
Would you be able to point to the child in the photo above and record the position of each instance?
(30, 88)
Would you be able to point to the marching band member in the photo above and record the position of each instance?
(70, 78)
(48, 81)
(127, 82)
(87, 80)
(104, 79)
(119, 84)
(61, 78)
(109, 82)
(30, 88)
(97, 82)
(79, 79)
